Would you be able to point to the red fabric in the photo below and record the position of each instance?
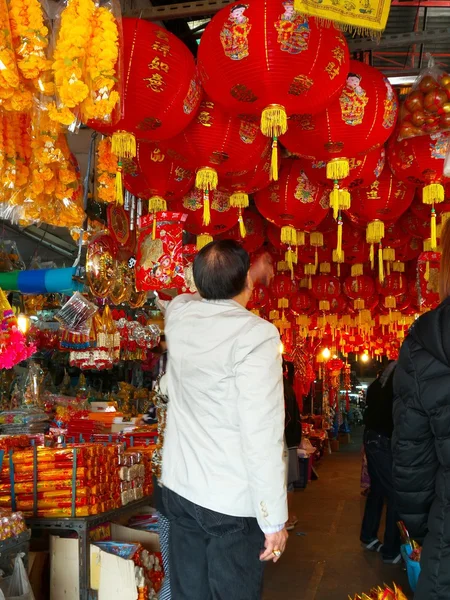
(261, 53)
(361, 286)
(361, 120)
(394, 284)
(326, 287)
(161, 93)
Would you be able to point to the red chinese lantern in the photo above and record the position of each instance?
(265, 59)
(293, 203)
(359, 287)
(410, 250)
(219, 144)
(363, 170)
(282, 289)
(394, 284)
(157, 175)
(303, 303)
(255, 231)
(420, 161)
(428, 266)
(161, 93)
(414, 225)
(360, 120)
(325, 288)
(259, 299)
(395, 236)
(339, 305)
(223, 216)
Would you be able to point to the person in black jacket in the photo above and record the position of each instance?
(293, 436)
(377, 446)
(421, 440)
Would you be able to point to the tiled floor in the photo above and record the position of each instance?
(324, 560)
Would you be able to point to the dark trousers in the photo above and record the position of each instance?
(212, 556)
(379, 464)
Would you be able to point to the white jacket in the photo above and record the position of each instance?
(223, 446)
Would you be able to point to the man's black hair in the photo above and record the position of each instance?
(354, 75)
(220, 270)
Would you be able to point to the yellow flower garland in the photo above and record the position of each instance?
(101, 67)
(9, 75)
(30, 38)
(106, 171)
(70, 52)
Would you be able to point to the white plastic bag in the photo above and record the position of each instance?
(17, 586)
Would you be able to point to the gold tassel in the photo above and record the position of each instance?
(427, 247)
(398, 267)
(316, 239)
(282, 265)
(357, 270)
(274, 121)
(206, 179)
(274, 160)
(380, 264)
(344, 199)
(324, 305)
(123, 144)
(290, 257)
(427, 271)
(157, 204)
(203, 240)
(338, 168)
(300, 238)
(206, 208)
(118, 187)
(433, 229)
(338, 258)
(433, 193)
(339, 270)
(274, 315)
(325, 268)
(239, 200)
(288, 236)
(316, 258)
(390, 302)
(389, 254)
(334, 201)
(359, 304)
(154, 227)
(310, 269)
(283, 303)
(375, 232)
(372, 257)
(339, 237)
(242, 229)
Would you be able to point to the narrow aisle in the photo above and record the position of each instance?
(326, 561)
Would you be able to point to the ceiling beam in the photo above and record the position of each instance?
(182, 10)
(397, 40)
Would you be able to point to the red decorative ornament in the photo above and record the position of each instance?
(265, 59)
(161, 91)
(394, 284)
(359, 287)
(259, 299)
(363, 170)
(415, 226)
(303, 303)
(282, 286)
(395, 236)
(326, 287)
(428, 266)
(255, 231)
(410, 250)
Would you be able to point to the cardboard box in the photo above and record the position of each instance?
(38, 574)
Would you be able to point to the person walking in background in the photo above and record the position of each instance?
(377, 446)
(421, 440)
(293, 434)
(223, 475)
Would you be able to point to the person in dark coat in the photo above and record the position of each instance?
(377, 446)
(421, 440)
(293, 436)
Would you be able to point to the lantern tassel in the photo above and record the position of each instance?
(334, 201)
(274, 121)
(375, 232)
(239, 200)
(118, 187)
(339, 238)
(206, 208)
(380, 264)
(123, 144)
(274, 160)
(206, 179)
(433, 229)
(203, 240)
(289, 236)
(372, 257)
(433, 193)
(357, 270)
(242, 229)
(157, 204)
(344, 199)
(338, 168)
(427, 271)
(154, 227)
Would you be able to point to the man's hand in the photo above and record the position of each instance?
(275, 542)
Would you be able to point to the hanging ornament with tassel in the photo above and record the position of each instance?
(156, 204)
(123, 145)
(374, 235)
(338, 169)
(206, 180)
(273, 125)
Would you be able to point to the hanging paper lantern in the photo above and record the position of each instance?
(414, 225)
(282, 286)
(157, 175)
(293, 203)
(361, 120)
(264, 59)
(303, 303)
(363, 170)
(359, 287)
(324, 289)
(410, 250)
(161, 93)
(255, 231)
(420, 161)
(394, 284)
(395, 236)
(223, 216)
(218, 144)
(339, 305)
(259, 299)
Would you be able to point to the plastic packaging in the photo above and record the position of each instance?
(17, 586)
(75, 314)
(426, 109)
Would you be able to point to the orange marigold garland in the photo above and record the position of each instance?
(72, 41)
(102, 66)
(9, 75)
(106, 171)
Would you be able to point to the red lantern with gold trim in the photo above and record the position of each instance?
(255, 231)
(259, 299)
(161, 90)
(265, 59)
(414, 225)
(410, 250)
(394, 284)
(359, 121)
(325, 287)
(394, 236)
(363, 170)
(303, 303)
(282, 288)
(223, 216)
(359, 286)
(293, 203)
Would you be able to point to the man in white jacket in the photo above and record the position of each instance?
(223, 470)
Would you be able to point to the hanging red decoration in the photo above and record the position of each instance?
(410, 250)
(428, 266)
(265, 59)
(223, 216)
(259, 299)
(303, 303)
(282, 286)
(161, 92)
(255, 227)
(394, 236)
(394, 284)
(363, 170)
(218, 144)
(326, 287)
(414, 225)
(359, 287)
